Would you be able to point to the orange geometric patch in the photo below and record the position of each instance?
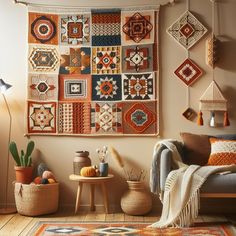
(139, 117)
(43, 28)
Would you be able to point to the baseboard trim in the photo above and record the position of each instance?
(113, 208)
(86, 207)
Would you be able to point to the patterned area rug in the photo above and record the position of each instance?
(125, 228)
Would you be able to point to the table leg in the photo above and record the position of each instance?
(105, 197)
(78, 197)
(92, 206)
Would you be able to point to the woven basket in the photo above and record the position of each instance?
(36, 199)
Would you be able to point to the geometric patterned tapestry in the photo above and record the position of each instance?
(93, 72)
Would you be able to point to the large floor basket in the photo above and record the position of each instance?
(36, 199)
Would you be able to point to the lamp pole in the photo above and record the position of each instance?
(6, 209)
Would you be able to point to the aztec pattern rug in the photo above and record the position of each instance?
(93, 72)
(43, 228)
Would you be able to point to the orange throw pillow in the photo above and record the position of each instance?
(223, 152)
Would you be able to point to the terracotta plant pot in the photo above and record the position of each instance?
(137, 200)
(24, 175)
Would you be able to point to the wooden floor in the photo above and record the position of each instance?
(15, 224)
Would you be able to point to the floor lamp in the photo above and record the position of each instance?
(6, 210)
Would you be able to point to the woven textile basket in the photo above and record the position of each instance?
(36, 199)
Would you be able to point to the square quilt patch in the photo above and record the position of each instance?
(43, 58)
(106, 27)
(74, 118)
(140, 117)
(42, 117)
(43, 28)
(137, 58)
(138, 86)
(75, 60)
(75, 29)
(106, 60)
(137, 27)
(106, 118)
(187, 30)
(43, 87)
(106, 87)
(75, 88)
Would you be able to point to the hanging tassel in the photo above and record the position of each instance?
(212, 120)
(200, 119)
(226, 119)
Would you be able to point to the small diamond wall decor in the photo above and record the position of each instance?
(187, 30)
(188, 72)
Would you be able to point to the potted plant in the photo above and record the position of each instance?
(23, 168)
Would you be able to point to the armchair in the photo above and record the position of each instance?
(195, 149)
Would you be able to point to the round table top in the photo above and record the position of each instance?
(90, 179)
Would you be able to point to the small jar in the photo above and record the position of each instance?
(103, 169)
(81, 160)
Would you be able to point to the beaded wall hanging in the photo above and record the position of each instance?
(93, 72)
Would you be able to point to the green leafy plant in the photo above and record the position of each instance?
(23, 158)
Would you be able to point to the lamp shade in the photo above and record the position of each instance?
(4, 86)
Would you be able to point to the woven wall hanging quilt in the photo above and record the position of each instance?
(93, 72)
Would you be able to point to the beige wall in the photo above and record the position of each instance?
(58, 152)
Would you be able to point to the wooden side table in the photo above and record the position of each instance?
(92, 181)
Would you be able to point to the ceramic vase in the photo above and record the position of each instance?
(81, 160)
(103, 168)
(137, 199)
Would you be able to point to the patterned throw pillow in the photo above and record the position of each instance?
(223, 152)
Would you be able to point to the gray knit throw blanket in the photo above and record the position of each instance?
(155, 168)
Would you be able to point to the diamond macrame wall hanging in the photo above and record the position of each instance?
(93, 72)
(187, 30)
(188, 72)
